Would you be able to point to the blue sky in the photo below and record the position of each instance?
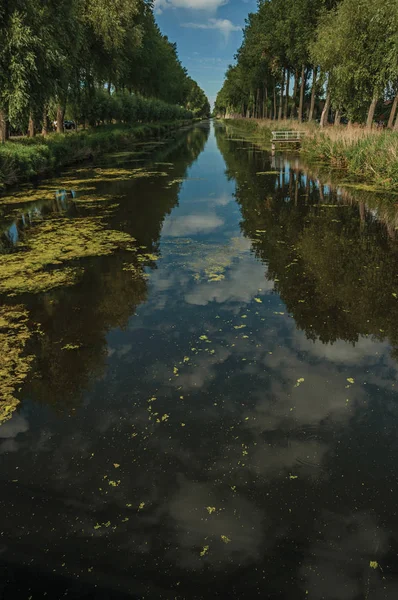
(207, 32)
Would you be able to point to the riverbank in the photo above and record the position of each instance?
(26, 158)
(369, 156)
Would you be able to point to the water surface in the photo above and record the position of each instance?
(221, 421)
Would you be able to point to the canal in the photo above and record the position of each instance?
(199, 379)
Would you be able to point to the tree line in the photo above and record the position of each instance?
(66, 55)
(307, 58)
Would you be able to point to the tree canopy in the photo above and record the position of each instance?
(346, 50)
(60, 55)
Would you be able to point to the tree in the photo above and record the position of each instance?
(345, 49)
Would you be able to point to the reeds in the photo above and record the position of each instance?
(367, 155)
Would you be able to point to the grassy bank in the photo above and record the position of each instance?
(370, 156)
(26, 158)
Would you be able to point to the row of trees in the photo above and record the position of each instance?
(295, 53)
(59, 54)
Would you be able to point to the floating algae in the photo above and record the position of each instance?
(210, 262)
(267, 173)
(53, 243)
(14, 334)
(92, 198)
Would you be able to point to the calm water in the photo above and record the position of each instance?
(226, 426)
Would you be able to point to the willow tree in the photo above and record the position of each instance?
(357, 46)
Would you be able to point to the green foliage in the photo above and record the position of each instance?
(350, 45)
(356, 44)
(22, 160)
(367, 156)
(61, 56)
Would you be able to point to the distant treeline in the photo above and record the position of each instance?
(308, 58)
(60, 58)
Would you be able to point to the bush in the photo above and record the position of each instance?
(101, 107)
(28, 157)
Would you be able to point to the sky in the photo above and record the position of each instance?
(207, 32)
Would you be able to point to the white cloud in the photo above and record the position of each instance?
(191, 225)
(11, 428)
(211, 5)
(240, 285)
(365, 350)
(225, 26)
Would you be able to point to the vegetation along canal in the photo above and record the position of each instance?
(198, 379)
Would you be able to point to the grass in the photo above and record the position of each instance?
(26, 158)
(367, 155)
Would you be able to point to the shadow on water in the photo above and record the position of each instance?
(222, 424)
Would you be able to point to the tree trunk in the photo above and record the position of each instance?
(281, 95)
(287, 95)
(325, 112)
(60, 119)
(109, 87)
(3, 127)
(312, 107)
(44, 129)
(258, 111)
(293, 111)
(31, 129)
(393, 111)
(302, 87)
(337, 117)
(371, 112)
(396, 124)
(275, 115)
(266, 102)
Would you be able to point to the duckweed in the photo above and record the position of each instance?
(15, 365)
(54, 243)
(225, 539)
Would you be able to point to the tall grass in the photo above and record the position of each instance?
(367, 155)
(25, 158)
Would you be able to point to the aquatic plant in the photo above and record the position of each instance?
(367, 155)
(39, 264)
(28, 157)
(15, 364)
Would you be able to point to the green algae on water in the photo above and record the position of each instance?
(40, 264)
(15, 365)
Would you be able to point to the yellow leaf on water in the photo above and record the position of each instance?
(350, 380)
(141, 506)
(205, 550)
(211, 509)
(373, 564)
(258, 300)
(225, 539)
(116, 465)
(114, 483)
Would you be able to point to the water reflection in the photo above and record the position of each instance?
(227, 426)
